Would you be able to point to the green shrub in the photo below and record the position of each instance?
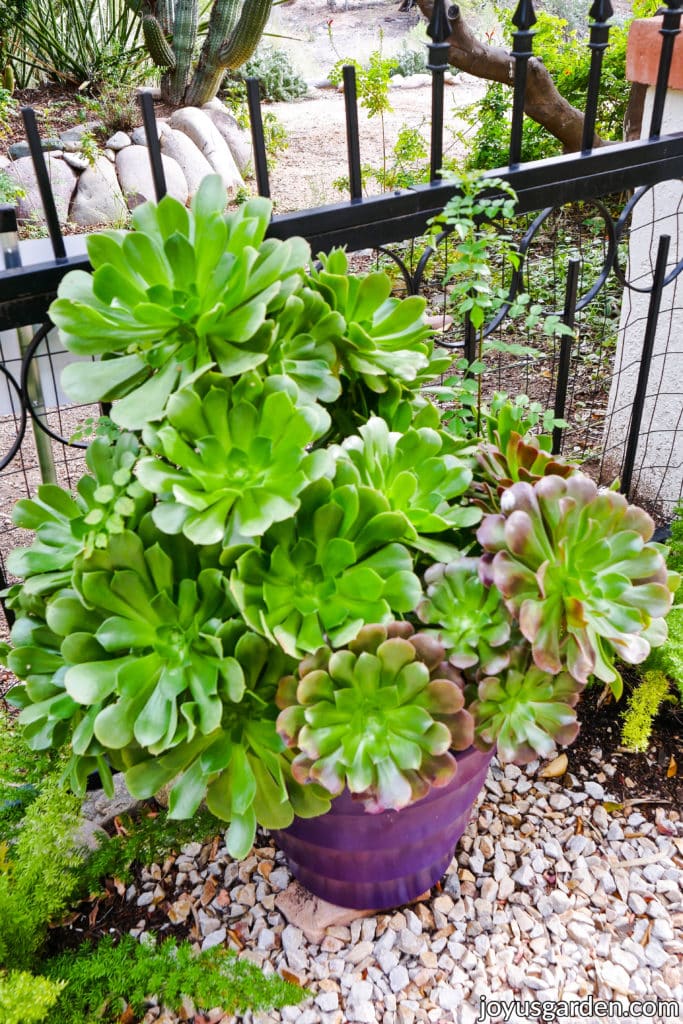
(144, 840)
(643, 705)
(669, 658)
(279, 80)
(10, 190)
(82, 43)
(101, 981)
(27, 999)
(38, 875)
(409, 61)
(116, 107)
(21, 770)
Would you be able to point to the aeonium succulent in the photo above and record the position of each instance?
(575, 565)
(381, 717)
(186, 291)
(523, 711)
(234, 457)
(501, 464)
(416, 472)
(468, 617)
(321, 575)
(108, 500)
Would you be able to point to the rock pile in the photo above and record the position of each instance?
(94, 192)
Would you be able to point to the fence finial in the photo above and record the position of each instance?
(439, 27)
(601, 11)
(524, 16)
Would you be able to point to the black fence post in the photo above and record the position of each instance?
(671, 26)
(470, 342)
(153, 148)
(352, 133)
(43, 178)
(523, 18)
(600, 12)
(568, 319)
(645, 362)
(257, 137)
(438, 30)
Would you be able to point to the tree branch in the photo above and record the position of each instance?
(543, 103)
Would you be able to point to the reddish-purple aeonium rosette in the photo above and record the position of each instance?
(577, 569)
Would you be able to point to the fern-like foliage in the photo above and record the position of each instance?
(103, 981)
(643, 705)
(38, 875)
(27, 999)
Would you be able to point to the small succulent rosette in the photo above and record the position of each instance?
(380, 717)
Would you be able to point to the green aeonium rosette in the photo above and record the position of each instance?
(233, 457)
(380, 717)
(417, 473)
(523, 711)
(186, 291)
(335, 565)
(468, 617)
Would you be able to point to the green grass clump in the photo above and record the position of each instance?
(101, 981)
(643, 705)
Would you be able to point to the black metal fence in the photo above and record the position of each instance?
(583, 276)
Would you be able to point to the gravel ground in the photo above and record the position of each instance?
(556, 892)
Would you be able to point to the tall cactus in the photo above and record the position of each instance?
(170, 33)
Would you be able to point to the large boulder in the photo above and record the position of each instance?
(239, 142)
(135, 176)
(199, 127)
(182, 149)
(62, 180)
(98, 198)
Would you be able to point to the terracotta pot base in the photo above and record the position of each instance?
(377, 861)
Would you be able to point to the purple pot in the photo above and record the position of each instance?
(376, 861)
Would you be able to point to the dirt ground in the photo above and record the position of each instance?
(316, 34)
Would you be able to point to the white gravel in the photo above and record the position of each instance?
(550, 897)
